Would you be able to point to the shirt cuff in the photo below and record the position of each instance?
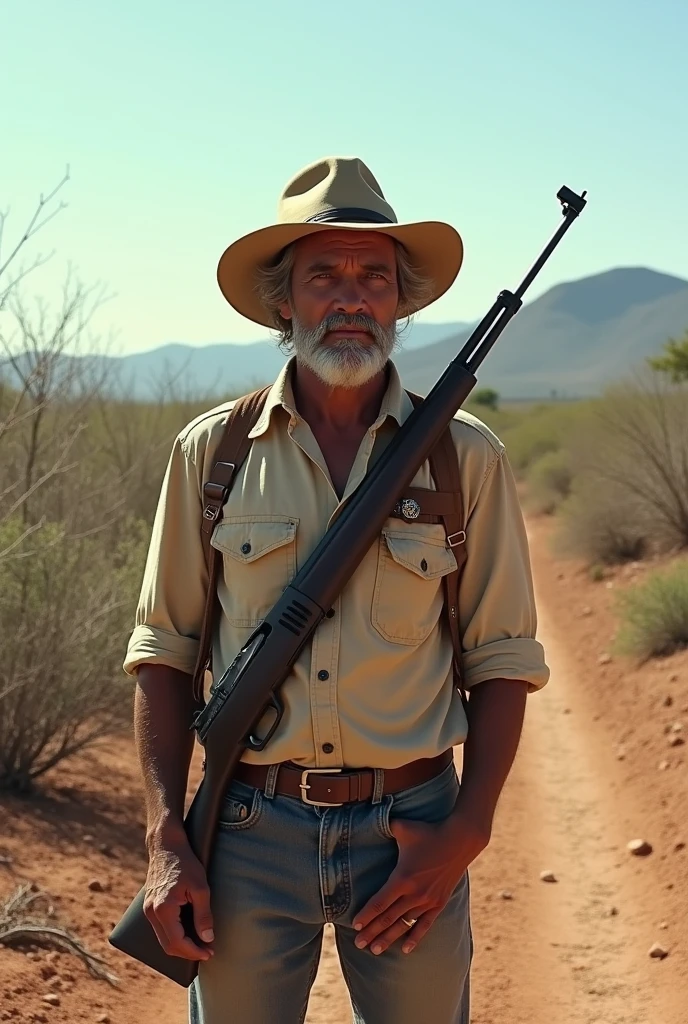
(515, 658)
(149, 645)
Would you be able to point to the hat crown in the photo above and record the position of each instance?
(333, 183)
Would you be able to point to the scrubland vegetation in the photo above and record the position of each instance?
(80, 475)
(613, 472)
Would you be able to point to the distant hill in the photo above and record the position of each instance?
(223, 368)
(574, 339)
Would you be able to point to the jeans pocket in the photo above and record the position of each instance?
(241, 808)
(431, 801)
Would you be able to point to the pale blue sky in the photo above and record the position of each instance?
(182, 123)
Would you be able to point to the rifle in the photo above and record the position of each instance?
(247, 693)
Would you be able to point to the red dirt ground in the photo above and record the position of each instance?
(587, 779)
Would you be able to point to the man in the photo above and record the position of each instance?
(373, 694)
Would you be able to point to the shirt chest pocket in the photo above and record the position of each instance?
(259, 554)
(409, 592)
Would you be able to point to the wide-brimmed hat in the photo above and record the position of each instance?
(336, 192)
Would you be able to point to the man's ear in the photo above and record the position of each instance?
(285, 311)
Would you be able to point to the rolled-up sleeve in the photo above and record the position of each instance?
(169, 614)
(497, 611)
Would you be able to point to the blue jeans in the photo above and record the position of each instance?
(281, 869)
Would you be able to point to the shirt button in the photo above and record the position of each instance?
(330, 613)
(424, 565)
(323, 674)
(246, 548)
(327, 748)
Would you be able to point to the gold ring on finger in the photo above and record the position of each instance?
(409, 921)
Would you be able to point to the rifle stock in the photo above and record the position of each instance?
(249, 686)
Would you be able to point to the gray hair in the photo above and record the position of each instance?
(274, 288)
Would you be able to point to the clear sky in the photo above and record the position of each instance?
(182, 122)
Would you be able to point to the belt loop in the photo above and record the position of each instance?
(271, 781)
(378, 785)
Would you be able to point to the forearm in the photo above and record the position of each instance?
(163, 706)
(495, 722)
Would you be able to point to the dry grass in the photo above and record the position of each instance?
(27, 918)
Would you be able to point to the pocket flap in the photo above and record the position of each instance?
(426, 557)
(247, 538)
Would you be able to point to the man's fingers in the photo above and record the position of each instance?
(386, 921)
(420, 929)
(379, 903)
(175, 942)
(202, 915)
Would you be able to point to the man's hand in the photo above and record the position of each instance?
(432, 860)
(176, 877)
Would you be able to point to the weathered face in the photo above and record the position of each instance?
(343, 305)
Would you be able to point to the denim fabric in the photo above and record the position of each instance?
(281, 869)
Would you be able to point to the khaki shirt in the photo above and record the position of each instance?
(374, 687)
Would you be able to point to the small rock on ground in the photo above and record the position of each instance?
(657, 952)
(640, 847)
(548, 876)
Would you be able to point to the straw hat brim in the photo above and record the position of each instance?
(434, 247)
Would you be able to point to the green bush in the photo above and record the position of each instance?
(542, 429)
(549, 482)
(655, 615)
(486, 396)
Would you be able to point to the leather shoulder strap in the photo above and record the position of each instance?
(231, 452)
(444, 466)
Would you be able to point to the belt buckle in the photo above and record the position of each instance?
(303, 785)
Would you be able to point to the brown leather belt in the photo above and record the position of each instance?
(333, 787)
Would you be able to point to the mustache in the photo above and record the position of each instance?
(356, 321)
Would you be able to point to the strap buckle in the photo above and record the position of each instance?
(460, 536)
(304, 786)
(215, 491)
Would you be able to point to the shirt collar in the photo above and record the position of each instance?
(395, 401)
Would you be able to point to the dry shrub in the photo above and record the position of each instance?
(549, 482)
(654, 614)
(630, 468)
(542, 429)
(66, 607)
(597, 525)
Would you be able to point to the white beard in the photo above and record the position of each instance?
(347, 362)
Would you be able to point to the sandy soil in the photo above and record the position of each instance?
(587, 779)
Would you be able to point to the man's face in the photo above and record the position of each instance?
(344, 303)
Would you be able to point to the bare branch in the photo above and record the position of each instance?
(34, 225)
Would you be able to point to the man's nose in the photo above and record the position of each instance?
(350, 298)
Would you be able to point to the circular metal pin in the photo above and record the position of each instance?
(410, 509)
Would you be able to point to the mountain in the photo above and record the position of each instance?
(227, 368)
(574, 339)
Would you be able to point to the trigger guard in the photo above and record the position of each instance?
(255, 742)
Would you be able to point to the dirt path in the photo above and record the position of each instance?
(571, 952)
(574, 951)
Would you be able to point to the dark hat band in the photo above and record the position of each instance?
(349, 213)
